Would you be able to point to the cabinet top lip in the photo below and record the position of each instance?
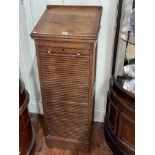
(69, 22)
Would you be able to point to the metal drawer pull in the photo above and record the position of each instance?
(49, 51)
(78, 54)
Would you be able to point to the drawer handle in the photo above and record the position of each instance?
(49, 51)
(78, 54)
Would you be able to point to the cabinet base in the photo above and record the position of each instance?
(56, 142)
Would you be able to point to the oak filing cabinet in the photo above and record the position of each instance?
(66, 40)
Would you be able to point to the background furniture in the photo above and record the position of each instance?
(119, 126)
(26, 131)
(66, 41)
(120, 119)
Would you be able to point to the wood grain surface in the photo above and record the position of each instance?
(69, 22)
(120, 119)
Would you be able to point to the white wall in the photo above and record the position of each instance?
(30, 12)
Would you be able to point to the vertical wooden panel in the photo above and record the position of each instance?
(126, 131)
(112, 113)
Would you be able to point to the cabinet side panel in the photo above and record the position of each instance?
(41, 87)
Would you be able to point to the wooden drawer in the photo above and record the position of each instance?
(63, 51)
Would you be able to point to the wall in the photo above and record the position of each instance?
(30, 12)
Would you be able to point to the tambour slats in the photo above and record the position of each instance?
(70, 120)
(65, 93)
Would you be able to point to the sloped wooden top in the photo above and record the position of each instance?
(79, 22)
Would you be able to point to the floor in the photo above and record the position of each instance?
(98, 146)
